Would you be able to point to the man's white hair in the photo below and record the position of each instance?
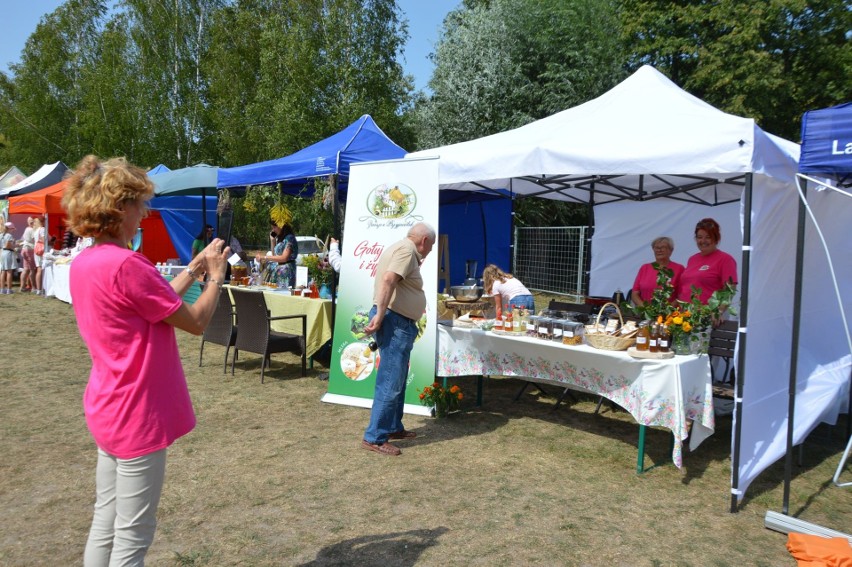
(422, 229)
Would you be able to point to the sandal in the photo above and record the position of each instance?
(404, 434)
(384, 448)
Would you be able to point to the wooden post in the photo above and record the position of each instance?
(444, 262)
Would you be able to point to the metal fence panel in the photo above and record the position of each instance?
(551, 259)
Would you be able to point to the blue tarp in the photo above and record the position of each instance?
(827, 141)
(476, 230)
(182, 217)
(160, 168)
(196, 180)
(361, 141)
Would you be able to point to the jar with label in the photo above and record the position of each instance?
(545, 328)
(516, 319)
(532, 325)
(643, 336)
(573, 333)
(556, 329)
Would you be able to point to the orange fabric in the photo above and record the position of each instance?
(43, 201)
(817, 551)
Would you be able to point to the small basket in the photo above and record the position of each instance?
(603, 341)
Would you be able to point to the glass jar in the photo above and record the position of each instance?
(573, 333)
(557, 327)
(545, 328)
(532, 326)
(643, 336)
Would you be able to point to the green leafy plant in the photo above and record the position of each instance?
(444, 400)
(319, 269)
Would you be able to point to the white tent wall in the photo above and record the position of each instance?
(824, 362)
(622, 239)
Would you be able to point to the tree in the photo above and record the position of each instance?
(500, 64)
(770, 61)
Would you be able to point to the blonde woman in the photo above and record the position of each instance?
(38, 253)
(506, 290)
(28, 266)
(136, 402)
(8, 262)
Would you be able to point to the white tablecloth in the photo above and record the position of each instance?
(668, 393)
(56, 281)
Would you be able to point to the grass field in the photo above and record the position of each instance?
(273, 476)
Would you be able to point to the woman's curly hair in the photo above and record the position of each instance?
(96, 192)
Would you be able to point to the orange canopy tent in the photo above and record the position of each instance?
(157, 245)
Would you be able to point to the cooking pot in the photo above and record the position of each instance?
(466, 292)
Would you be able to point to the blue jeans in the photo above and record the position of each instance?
(525, 301)
(395, 339)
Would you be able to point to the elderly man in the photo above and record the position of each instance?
(398, 302)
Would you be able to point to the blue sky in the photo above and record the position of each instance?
(20, 18)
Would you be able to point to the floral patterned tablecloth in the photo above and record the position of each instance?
(668, 393)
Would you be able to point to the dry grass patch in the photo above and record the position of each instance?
(273, 476)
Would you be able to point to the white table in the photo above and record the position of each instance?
(58, 283)
(669, 393)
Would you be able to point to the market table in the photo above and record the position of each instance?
(318, 313)
(668, 393)
(58, 282)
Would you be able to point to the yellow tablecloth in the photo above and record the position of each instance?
(317, 310)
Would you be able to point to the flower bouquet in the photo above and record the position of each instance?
(319, 270)
(443, 400)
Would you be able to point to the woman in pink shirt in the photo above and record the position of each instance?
(710, 269)
(136, 402)
(646, 279)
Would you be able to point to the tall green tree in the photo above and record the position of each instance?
(500, 64)
(770, 61)
(41, 107)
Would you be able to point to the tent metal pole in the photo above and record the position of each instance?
(741, 342)
(794, 345)
(587, 261)
(512, 235)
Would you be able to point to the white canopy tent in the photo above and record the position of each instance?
(660, 159)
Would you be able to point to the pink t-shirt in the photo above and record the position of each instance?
(137, 401)
(646, 279)
(509, 289)
(709, 273)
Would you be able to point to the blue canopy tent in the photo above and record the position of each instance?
(362, 140)
(826, 153)
(181, 196)
(182, 215)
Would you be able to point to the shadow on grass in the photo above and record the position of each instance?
(400, 549)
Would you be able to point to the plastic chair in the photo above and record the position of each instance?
(221, 330)
(256, 334)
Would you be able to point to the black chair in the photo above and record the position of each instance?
(723, 339)
(256, 334)
(221, 330)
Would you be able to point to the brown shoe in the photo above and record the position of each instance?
(404, 434)
(384, 448)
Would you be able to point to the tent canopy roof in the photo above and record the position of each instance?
(644, 139)
(43, 201)
(193, 180)
(827, 141)
(362, 140)
(47, 175)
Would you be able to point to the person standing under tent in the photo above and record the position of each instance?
(136, 401)
(506, 289)
(38, 255)
(28, 266)
(8, 262)
(334, 258)
(646, 278)
(710, 269)
(398, 303)
(203, 239)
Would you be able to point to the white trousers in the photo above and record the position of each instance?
(125, 518)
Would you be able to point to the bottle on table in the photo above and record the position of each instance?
(643, 336)
(654, 338)
(508, 320)
(665, 338)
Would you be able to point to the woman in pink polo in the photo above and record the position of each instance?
(136, 401)
(710, 269)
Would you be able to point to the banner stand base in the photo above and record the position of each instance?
(368, 403)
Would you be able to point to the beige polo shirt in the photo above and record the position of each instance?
(403, 259)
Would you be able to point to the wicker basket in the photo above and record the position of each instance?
(603, 341)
